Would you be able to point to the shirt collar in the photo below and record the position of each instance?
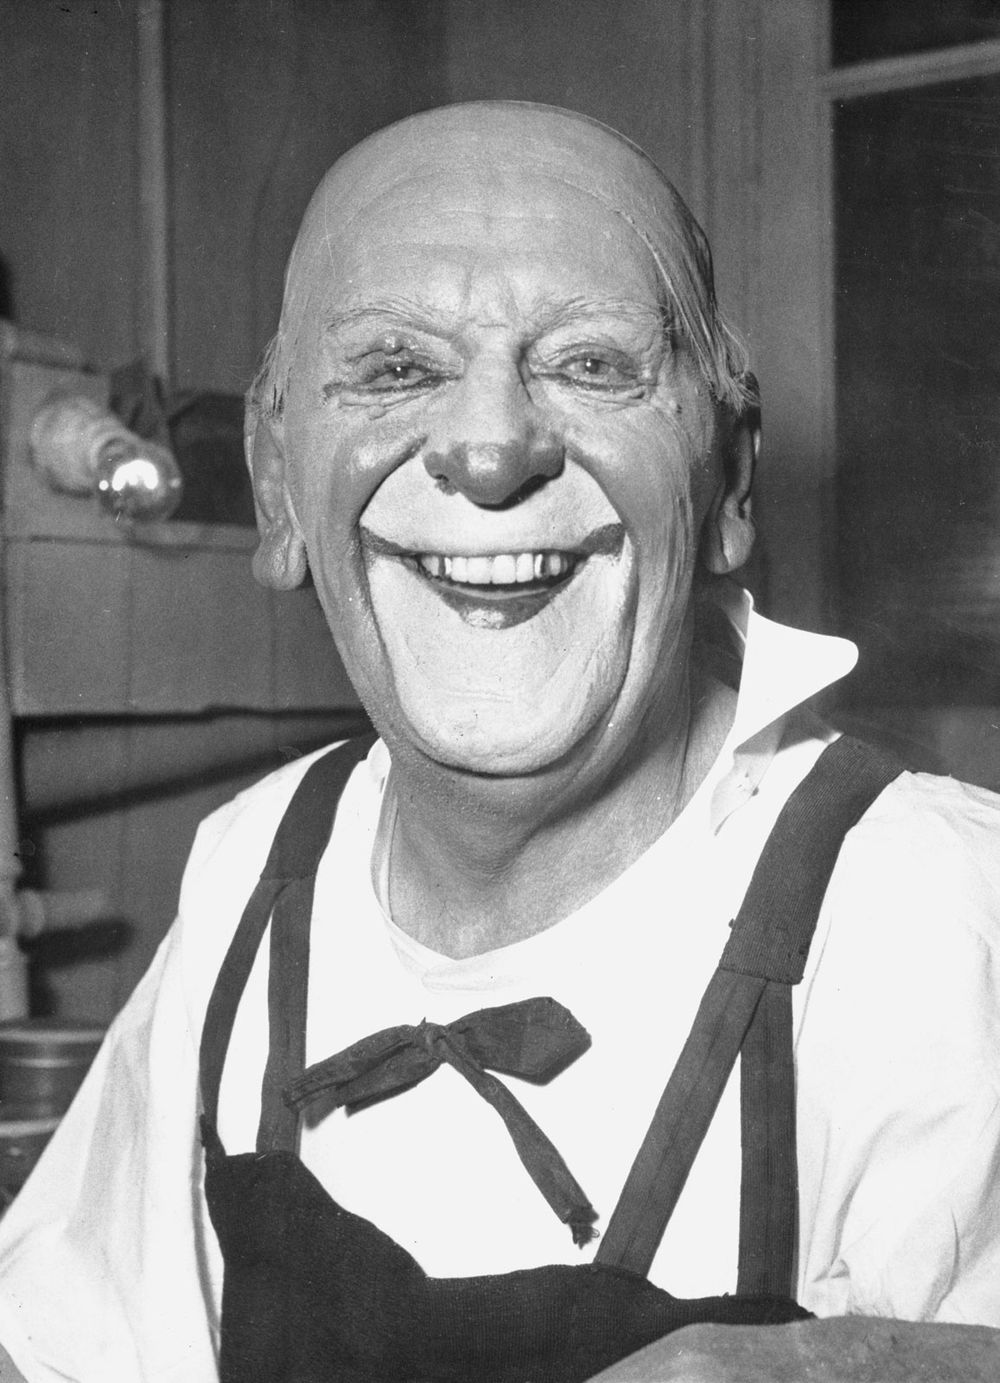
(782, 668)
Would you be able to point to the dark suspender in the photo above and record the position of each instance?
(747, 1003)
(285, 888)
(749, 998)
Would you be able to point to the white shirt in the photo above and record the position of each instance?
(109, 1269)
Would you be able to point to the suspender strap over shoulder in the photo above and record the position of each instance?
(794, 873)
(750, 992)
(283, 896)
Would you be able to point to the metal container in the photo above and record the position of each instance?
(21, 1144)
(42, 1062)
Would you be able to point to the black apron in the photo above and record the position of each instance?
(313, 1293)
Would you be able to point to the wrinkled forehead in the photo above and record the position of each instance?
(476, 162)
(521, 240)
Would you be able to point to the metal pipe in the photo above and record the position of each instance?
(13, 966)
(155, 318)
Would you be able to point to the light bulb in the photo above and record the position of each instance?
(137, 481)
(81, 449)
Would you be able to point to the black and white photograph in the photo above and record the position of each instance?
(499, 691)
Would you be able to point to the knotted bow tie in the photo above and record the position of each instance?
(534, 1039)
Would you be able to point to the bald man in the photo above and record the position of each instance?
(505, 428)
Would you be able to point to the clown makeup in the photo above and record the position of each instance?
(500, 456)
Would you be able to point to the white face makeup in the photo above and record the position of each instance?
(500, 460)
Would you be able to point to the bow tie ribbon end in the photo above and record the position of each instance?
(534, 1039)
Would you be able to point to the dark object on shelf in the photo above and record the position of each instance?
(206, 436)
(204, 430)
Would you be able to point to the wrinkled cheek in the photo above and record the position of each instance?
(326, 499)
(667, 554)
(328, 492)
(665, 564)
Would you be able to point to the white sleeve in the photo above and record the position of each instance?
(899, 1066)
(103, 1272)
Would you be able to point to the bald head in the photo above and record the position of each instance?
(458, 157)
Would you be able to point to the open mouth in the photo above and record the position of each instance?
(504, 588)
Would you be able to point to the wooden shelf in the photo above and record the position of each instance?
(162, 619)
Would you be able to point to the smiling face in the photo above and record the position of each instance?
(500, 456)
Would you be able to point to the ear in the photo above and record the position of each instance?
(280, 559)
(728, 532)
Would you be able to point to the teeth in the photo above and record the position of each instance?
(504, 569)
(478, 571)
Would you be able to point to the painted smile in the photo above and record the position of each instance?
(500, 589)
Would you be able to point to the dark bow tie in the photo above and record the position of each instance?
(534, 1039)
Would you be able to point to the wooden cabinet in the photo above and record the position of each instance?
(163, 619)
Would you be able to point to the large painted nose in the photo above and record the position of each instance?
(490, 442)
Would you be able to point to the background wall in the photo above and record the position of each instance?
(69, 218)
(263, 96)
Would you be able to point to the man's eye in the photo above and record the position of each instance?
(598, 371)
(387, 373)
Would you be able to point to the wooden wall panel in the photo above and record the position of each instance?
(798, 468)
(624, 63)
(69, 225)
(263, 97)
(758, 146)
